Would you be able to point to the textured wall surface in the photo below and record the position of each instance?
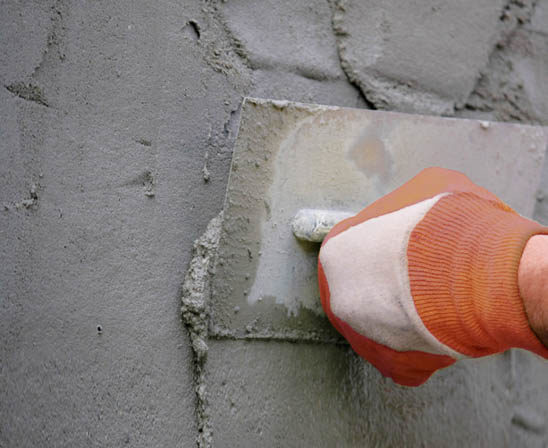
(117, 123)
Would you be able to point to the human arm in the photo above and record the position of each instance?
(427, 275)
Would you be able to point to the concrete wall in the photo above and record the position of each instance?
(117, 122)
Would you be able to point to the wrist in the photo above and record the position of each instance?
(533, 285)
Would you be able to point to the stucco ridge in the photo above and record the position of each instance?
(195, 316)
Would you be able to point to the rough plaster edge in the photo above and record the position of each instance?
(495, 87)
(515, 14)
(334, 5)
(286, 104)
(404, 97)
(195, 315)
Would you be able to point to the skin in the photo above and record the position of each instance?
(533, 284)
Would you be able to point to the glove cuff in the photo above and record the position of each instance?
(463, 260)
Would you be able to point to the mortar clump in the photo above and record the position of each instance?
(195, 315)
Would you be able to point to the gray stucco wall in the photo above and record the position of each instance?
(117, 122)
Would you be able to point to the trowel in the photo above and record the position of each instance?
(298, 169)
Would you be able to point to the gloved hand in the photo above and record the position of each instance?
(428, 275)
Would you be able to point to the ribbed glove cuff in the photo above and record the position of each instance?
(463, 270)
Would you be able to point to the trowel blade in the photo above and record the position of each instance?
(291, 156)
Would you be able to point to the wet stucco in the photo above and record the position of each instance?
(117, 125)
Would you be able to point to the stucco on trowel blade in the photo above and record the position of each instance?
(290, 156)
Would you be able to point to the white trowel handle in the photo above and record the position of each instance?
(314, 224)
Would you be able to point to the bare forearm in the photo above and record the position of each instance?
(533, 284)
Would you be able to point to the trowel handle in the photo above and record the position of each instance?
(314, 224)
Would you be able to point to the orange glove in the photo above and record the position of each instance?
(427, 275)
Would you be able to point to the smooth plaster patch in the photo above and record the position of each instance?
(283, 394)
